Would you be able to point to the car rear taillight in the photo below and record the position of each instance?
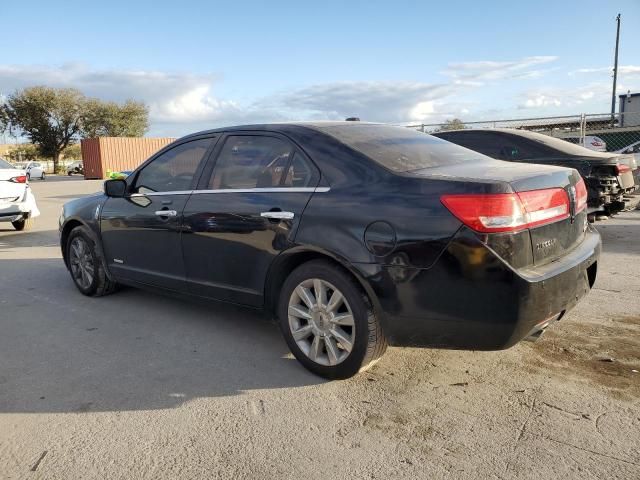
(621, 168)
(596, 143)
(19, 179)
(508, 212)
(581, 196)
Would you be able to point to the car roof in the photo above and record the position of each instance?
(283, 126)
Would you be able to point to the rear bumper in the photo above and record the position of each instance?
(10, 212)
(483, 305)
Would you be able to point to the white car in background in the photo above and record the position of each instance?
(17, 203)
(33, 169)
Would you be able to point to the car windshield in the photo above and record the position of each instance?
(401, 149)
(5, 164)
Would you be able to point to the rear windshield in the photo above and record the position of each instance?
(401, 149)
(5, 164)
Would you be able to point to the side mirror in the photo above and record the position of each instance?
(115, 188)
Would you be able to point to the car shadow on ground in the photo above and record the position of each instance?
(69, 197)
(63, 352)
(63, 178)
(621, 235)
(10, 238)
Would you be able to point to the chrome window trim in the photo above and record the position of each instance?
(266, 190)
(156, 194)
(237, 190)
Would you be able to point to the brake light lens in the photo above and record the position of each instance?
(19, 179)
(581, 196)
(508, 212)
(621, 168)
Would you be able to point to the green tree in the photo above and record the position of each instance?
(50, 118)
(23, 152)
(108, 119)
(453, 124)
(72, 152)
(55, 118)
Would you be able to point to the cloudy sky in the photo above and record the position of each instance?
(206, 64)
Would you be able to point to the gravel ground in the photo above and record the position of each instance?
(137, 385)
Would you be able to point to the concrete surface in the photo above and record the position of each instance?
(137, 385)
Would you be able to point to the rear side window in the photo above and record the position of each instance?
(174, 169)
(252, 161)
(400, 149)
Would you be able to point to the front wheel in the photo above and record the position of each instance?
(85, 265)
(328, 322)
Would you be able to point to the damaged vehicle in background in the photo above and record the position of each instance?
(353, 235)
(17, 203)
(609, 176)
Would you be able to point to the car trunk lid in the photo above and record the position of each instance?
(10, 191)
(548, 241)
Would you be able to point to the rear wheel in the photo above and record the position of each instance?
(85, 265)
(328, 322)
(42, 177)
(24, 223)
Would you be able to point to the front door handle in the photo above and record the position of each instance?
(166, 213)
(277, 215)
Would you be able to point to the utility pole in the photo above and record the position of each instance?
(615, 71)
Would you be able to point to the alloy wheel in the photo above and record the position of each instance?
(321, 322)
(81, 262)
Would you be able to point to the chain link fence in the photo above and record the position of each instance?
(601, 132)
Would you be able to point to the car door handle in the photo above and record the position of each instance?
(166, 213)
(278, 215)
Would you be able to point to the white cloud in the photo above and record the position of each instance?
(570, 98)
(372, 101)
(184, 102)
(172, 97)
(479, 72)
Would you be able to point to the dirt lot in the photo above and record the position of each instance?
(138, 385)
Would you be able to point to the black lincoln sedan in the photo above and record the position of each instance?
(353, 235)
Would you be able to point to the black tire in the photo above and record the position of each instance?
(101, 284)
(28, 177)
(69, 173)
(369, 342)
(23, 224)
(43, 177)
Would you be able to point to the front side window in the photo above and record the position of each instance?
(251, 161)
(174, 169)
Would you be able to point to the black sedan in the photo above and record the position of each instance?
(609, 176)
(353, 235)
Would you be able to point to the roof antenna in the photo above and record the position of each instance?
(352, 119)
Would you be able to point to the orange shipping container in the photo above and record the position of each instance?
(117, 154)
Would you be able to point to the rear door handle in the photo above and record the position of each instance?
(166, 213)
(278, 215)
